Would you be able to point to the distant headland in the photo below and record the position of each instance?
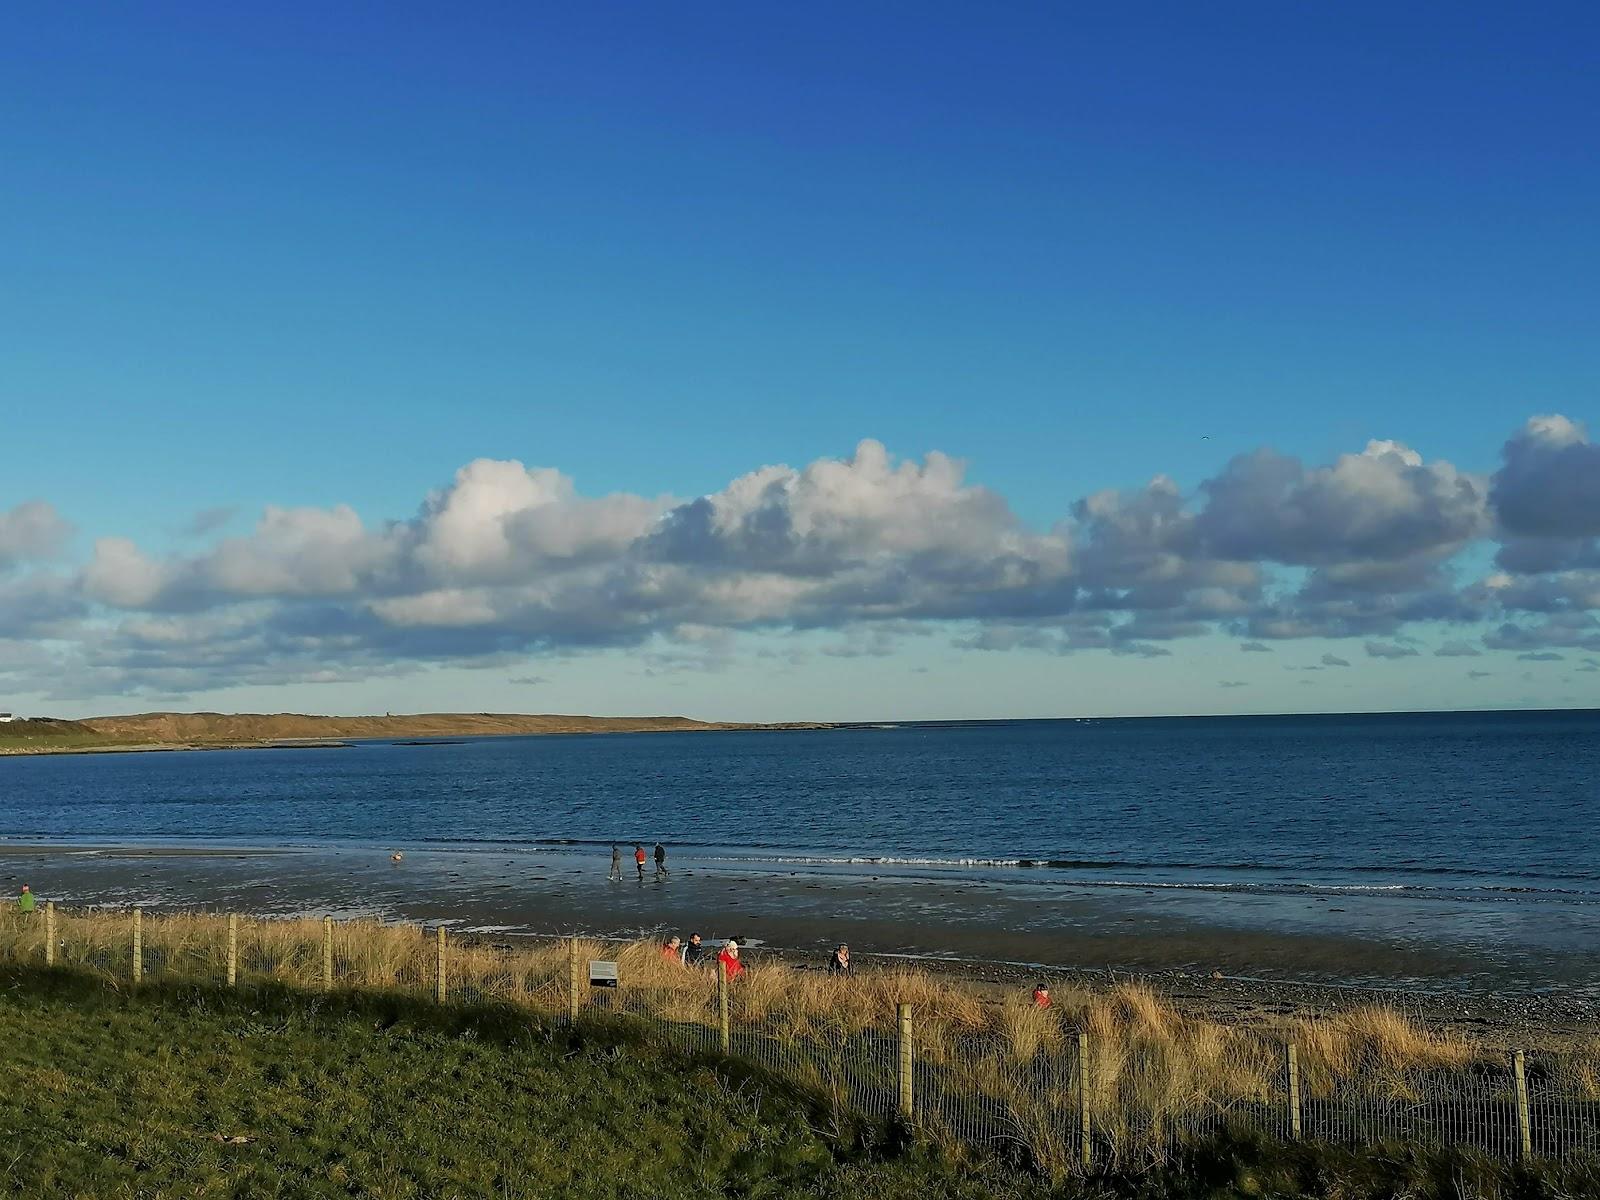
(223, 731)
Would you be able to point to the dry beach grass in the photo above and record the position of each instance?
(1152, 1071)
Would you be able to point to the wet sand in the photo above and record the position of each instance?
(1239, 955)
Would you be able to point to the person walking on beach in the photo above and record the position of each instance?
(729, 958)
(616, 863)
(638, 861)
(839, 960)
(661, 861)
(693, 952)
(25, 900)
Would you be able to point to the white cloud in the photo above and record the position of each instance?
(122, 576)
(508, 560)
(297, 552)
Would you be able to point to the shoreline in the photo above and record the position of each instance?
(995, 938)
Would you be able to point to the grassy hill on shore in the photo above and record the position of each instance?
(210, 730)
(46, 734)
(182, 1090)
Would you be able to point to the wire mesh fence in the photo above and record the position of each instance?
(1119, 1080)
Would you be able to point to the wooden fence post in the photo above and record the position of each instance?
(138, 945)
(908, 1106)
(1085, 1138)
(1294, 1090)
(49, 933)
(573, 995)
(439, 977)
(1519, 1068)
(233, 949)
(327, 954)
(723, 1020)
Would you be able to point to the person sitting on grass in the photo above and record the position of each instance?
(25, 900)
(729, 958)
(1041, 996)
(672, 949)
(693, 952)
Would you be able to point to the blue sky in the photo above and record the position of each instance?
(300, 258)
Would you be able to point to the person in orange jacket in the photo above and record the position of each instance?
(729, 958)
(638, 861)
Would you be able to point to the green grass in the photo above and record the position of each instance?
(107, 1094)
(200, 1092)
(45, 733)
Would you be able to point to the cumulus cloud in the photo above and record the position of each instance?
(1549, 486)
(507, 560)
(122, 576)
(1389, 650)
(1382, 504)
(1546, 498)
(499, 519)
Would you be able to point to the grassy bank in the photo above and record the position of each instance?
(987, 1072)
(44, 735)
(184, 1090)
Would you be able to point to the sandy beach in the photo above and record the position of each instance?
(997, 937)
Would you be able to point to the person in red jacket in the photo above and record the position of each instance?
(1041, 996)
(638, 861)
(729, 958)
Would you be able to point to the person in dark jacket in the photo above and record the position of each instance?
(693, 952)
(839, 961)
(661, 861)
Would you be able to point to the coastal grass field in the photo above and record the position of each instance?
(186, 1090)
(167, 730)
(1152, 1069)
(45, 735)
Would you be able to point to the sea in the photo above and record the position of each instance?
(1492, 814)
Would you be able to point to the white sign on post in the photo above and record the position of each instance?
(603, 974)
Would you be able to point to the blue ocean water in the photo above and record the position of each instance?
(1500, 804)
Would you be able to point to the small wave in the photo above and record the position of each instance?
(874, 861)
